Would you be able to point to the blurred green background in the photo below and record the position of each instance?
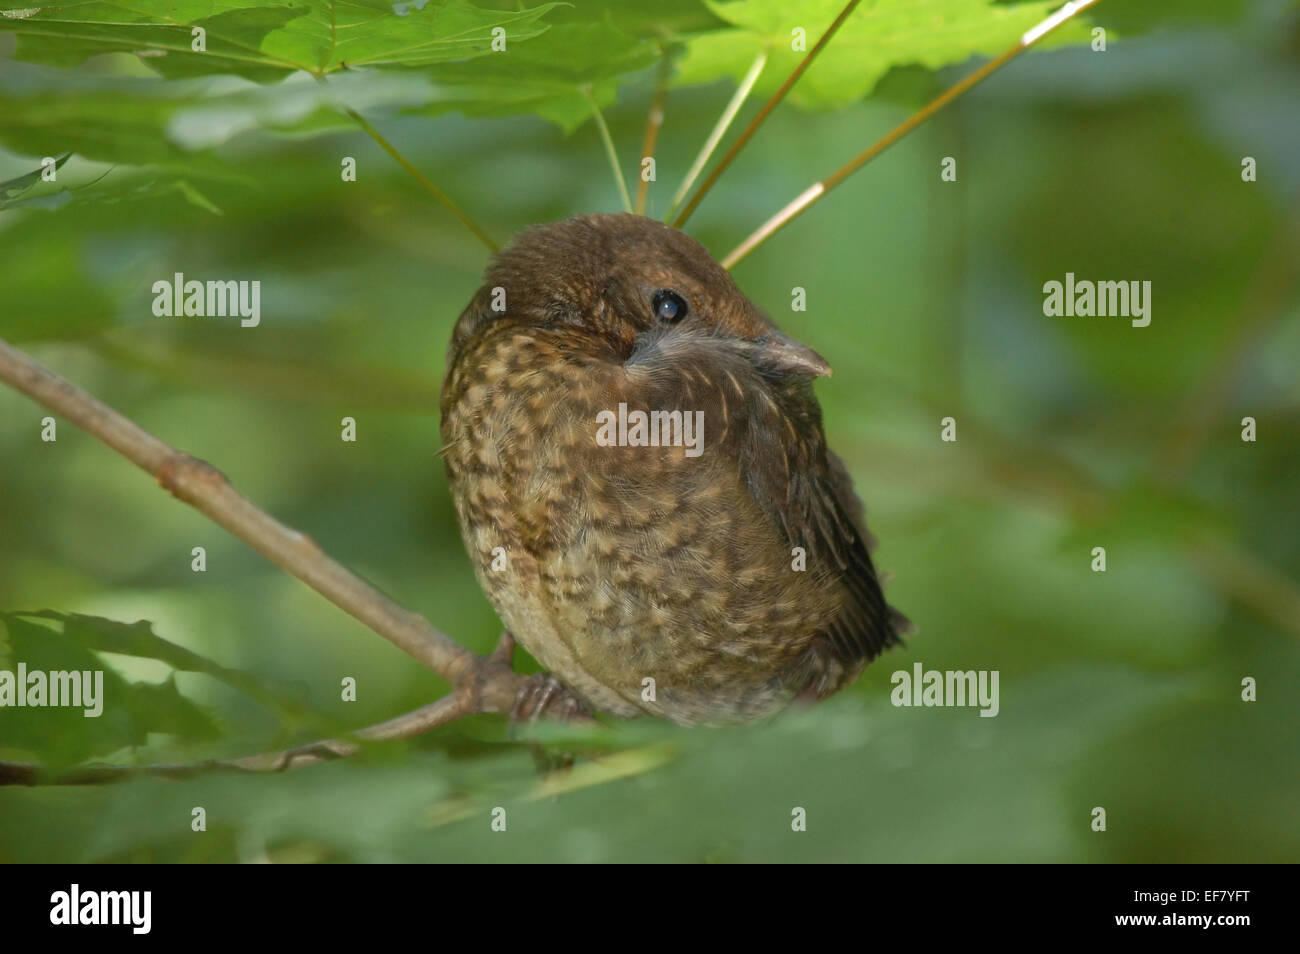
(1119, 689)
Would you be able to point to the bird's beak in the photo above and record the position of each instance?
(785, 354)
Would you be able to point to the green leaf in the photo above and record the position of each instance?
(62, 735)
(113, 119)
(877, 36)
(264, 41)
(16, 187)
(138, 639)
(115, 191)
(662, 18)
(707, 794)
(139, 120)
(545, 77)
(436, 57)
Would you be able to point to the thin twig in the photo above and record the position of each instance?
(204, 487)
(447, 709)
(719, 130)
(423, 180)
(818, 189)
(763, 113)
(653, 123)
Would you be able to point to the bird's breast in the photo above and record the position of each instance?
(635, 565)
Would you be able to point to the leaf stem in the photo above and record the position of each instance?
(719, 130)
(763, 113)
(202, 486)
(423, 180)
(653, 123)
(609, 148)
(818, 189)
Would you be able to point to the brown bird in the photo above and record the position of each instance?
(707, 563)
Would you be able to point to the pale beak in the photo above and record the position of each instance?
(783, 353)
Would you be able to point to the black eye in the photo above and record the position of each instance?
(669, 306)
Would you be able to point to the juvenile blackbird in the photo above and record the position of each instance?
(703, 574)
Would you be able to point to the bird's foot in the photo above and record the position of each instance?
(545, 697)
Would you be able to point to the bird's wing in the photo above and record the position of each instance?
(770, 423)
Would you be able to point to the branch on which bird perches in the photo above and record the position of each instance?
(483, 684)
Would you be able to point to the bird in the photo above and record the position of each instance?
(640, 473)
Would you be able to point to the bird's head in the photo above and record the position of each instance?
(614, 278)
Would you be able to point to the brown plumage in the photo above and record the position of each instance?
(632, 563)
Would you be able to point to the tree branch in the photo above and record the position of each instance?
(483, 683)
(447, 709)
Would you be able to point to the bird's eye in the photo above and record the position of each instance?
(669, 306)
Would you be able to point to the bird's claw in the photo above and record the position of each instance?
(543, 696)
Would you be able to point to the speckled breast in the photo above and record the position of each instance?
(645, 577)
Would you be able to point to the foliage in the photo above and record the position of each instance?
(1119, 689)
